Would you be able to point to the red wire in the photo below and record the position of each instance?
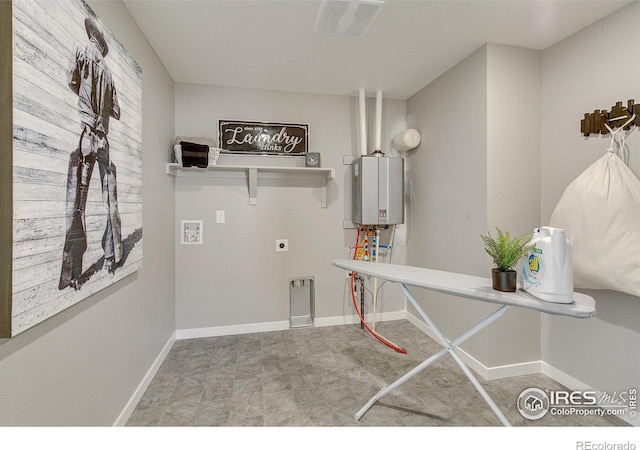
(373, 333)
(355, 248)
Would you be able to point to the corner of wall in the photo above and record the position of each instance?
(513, 178)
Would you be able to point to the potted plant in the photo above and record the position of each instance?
(505, 253)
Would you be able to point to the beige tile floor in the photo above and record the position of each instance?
(320, 377)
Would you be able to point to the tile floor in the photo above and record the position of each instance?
(320, 377)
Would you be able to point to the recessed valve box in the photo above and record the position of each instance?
(378, 190)
(302, 302)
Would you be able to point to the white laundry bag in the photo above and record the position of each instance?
(600, 212)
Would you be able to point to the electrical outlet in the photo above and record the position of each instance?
(220, 217)
(282, 245)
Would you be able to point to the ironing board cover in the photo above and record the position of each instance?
(468, 286)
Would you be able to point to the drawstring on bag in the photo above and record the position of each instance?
(618, 137)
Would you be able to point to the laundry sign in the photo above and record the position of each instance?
(263, 137)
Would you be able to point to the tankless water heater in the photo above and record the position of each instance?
(378, 190)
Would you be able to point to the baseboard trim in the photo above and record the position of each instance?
(576, 385)
(488, 373)
(144, 384)
(512, 370)
(353, 319)
(193, 333)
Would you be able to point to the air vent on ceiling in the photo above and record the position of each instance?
(347, 17)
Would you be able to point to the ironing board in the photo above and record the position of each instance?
(467, 286)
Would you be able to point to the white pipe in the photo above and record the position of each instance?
(393, 238)
(375, 280)
(363, 123)
(378, 146)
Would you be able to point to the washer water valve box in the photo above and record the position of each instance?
(302, 302)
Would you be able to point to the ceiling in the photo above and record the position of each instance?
(271, 44)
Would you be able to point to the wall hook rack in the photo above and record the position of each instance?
(595, 122)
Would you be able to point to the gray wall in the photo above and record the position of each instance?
(82, 366)
(236, 278)
(473, 172)
(513, 178)
(580, 74)
(447, 189)
(525, 105)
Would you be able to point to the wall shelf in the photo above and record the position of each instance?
(256, 173)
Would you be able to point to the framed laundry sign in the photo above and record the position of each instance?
(271, 138)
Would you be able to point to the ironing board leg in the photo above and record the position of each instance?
(406, 377)
(448, 347)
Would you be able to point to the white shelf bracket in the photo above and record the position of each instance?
(325, 191)
(252, 173)
(253, 186)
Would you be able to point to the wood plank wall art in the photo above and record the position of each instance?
(71, 167)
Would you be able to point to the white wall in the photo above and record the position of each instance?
(513, 180)
(580, 74)
(100, 349)
(534, 102)
(236, 278)
(447, 195)
(82, 366)
(477, 168)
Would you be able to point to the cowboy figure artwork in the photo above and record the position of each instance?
(92, 81)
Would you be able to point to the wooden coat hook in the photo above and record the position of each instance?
(595, 122)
